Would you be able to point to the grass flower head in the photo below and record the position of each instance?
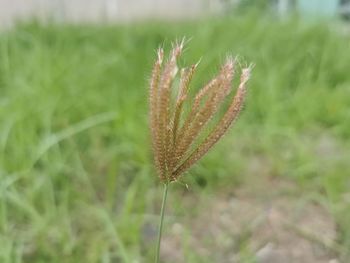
(174, 134)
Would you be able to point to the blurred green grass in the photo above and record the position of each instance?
(76, 176)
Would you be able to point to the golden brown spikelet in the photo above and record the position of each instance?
(173, 143)
(153, 102)
(186, 77)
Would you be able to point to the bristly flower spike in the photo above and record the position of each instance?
(175, 136)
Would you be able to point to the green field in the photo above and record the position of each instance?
(76, 177)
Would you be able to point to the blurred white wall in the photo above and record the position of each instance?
(103, 10)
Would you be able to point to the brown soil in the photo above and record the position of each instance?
(269, 221)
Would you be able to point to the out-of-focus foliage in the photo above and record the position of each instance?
(76, 183)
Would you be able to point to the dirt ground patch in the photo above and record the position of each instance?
(269, 220)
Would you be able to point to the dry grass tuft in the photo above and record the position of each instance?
(174, 135)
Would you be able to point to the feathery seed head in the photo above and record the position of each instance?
(173, 144)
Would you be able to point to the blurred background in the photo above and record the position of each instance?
(131, 10)
(77, 182)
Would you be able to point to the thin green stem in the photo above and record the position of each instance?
(161, 219)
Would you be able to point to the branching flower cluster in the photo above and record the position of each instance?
(174, 134)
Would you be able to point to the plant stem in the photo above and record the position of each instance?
(161, 219)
